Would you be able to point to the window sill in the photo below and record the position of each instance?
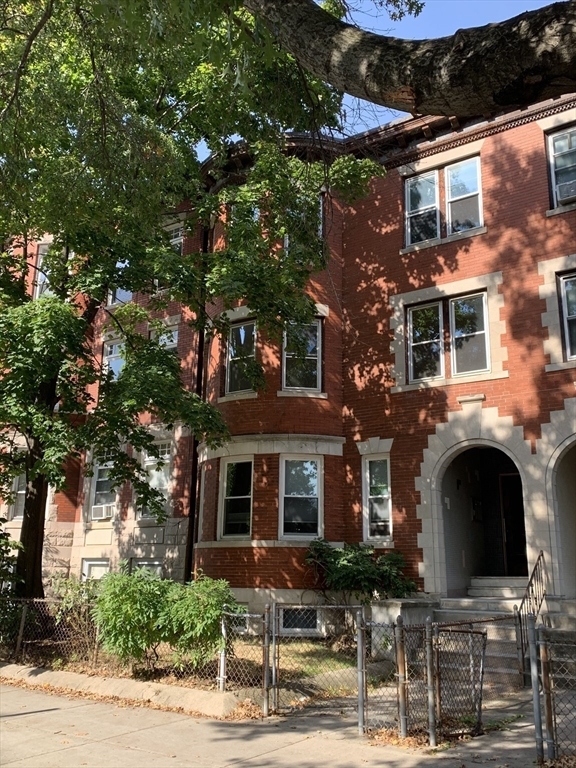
(443, 240)
(563, 366)
(99, 525)
(561, 209)
(301, 393)
(238, 396)
(255, 543)
(449, 382)
(379, 543)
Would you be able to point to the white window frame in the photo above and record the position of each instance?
(113, 297)
(108, 510)
(411, 214)
(93, 562)
(486, 333)
(449, 227)
(570, 355)
(229, 358)
(149, 463)
(167, 338)
(410, 343)
(318, 357)
(319, 459)
(301, 631)
(41, 283)
(13, 513)
(552, 155)
(117, 355)
(366, 496)
(223, 495)
(176, 233)
(441, 304)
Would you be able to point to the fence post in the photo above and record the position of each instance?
(274, 657)
(547, 691)
(361, 663)
(21, 630)
(401, 667)
(266, 653)
(430, 682)
(535, 691)
(222, 665)
(437, 677)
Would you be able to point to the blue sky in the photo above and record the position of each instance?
(439, 18)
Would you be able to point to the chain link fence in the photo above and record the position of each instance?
(555, 679)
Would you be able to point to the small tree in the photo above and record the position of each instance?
(356, 569)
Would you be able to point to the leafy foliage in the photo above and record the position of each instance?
(137, 612)
(356, 569)
(8, 550)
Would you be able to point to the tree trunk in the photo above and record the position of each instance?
(29, 563)
(477, 71)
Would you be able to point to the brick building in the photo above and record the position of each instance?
(435, 413)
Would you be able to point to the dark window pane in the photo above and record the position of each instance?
(379, 510)
(465, 214)
(425, 322)
(242, 340)
(423, 226)
(299, 618)
(302, 373)
(300, 515)
(237, 517)
(310, 335)
(572, 337)
(462, 179)
(378, 477)
(239, 478)
(238, 381)
(426, 361)
(570, 288)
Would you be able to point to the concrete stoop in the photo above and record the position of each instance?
(190, 700)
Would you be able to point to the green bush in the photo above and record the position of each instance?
(137, 612)
(355, 569)
(8, 554)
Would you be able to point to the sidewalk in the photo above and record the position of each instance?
(42, 730)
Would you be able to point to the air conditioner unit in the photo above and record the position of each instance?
(566, 192)
(103, 511)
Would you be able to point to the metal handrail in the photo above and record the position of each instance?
(531, 603)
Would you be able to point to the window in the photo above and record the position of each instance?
(299, 621)
(176, 235)
(422, 212)
(95, 569)
(377, 517)
(568, 290)
(167, 339)
(461, 190)
(300, 497)
(467, 337)
(154, 566)
(463, 195)
(303, 373)
(42, 284)
(237, 498)
(103, 504)
(563, 167)
(241, 350)
(119, 295)
(19, 490)
(113, 358)
(158, 477)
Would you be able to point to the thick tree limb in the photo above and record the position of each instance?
(477, 71)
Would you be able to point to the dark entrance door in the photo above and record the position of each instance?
(513, 530)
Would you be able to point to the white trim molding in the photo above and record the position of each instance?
(244, 445)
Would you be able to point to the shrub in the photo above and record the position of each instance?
(137, 612)
(356, 569)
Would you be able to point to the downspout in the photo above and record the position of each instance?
(199, 391)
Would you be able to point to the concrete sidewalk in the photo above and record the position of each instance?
(42, 730)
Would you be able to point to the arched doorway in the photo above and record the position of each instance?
(565, 493)
(483, 518)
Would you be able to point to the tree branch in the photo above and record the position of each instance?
(477, 71)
